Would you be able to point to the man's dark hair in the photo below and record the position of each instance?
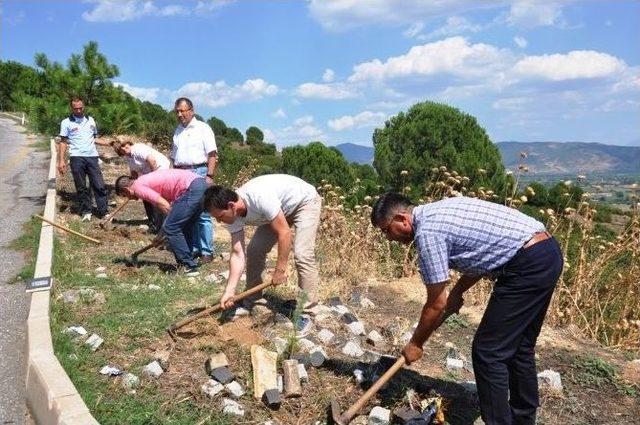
(185, 100)
(122, 182)
(75, 99)
(218, 197)
(387, 205)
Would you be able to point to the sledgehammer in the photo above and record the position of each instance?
(346, 417)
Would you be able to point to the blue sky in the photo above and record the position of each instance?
(335, 70)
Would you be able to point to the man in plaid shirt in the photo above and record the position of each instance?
(482, 239)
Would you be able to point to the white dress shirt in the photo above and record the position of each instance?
(192, 144)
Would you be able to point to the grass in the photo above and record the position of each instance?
(27, 242)
(593, 371)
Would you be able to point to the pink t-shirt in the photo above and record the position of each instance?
(169, 184)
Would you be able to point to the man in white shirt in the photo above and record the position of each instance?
(272, 203)
(194, 148)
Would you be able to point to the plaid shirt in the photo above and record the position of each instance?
(472, 236)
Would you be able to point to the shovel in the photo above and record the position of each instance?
(106, 224)
(213, 309)
(346, 417)
(157, 241)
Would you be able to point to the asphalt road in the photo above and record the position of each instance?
(23, 183)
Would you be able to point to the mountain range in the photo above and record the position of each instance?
(545, 158)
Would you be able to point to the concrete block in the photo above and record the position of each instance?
(272, 398)
(222, 375)
(265, 375)
(215, 361)
(379, 416)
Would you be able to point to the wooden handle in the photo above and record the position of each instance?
(116, 211)
(216, 307)
(66, 229)
(156, 242)
(351, 412)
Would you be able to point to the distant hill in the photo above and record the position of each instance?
(356, 153)
(571, 158)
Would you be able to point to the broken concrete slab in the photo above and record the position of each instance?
(352, 349)
(215, 361)
(231, 407)
(222, 374)
(265, 374)
(379, 416)
(234, 389)
(211, 388)
(326, 336)
(292, 387)
(272, 398)
(153, 370)
(94, 342)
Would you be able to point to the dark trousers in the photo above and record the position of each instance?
(181, 221)
(81, 167)
(156, 218)
(503, 348)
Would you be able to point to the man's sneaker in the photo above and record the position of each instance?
(86, 217)
(191, 272)
(205, 259)
(303, 326)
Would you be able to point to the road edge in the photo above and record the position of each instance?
(51, 396)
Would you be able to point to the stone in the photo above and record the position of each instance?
(374, 338)
(366, 303)
(291, 378)
(261, 312)
(334, 301)
(75, 331)
(191, 279)
(101, 269)
(162, 356)
(110, 371)
(281, 383)
(379, 416)
(470, 386)
(552, 379)
(234, 389)
(88, 293)
(305, 344)
(212, 278)
(349, 318)
(264, 365)
(215, 361)
(231, 407)
(281, 344)
(356, 328)
(272, 398)
(154, 287)
(102, 276)
(222, 375)
(143, 227)
(211, 388)
(94, 342)
(631, 372)
(283, 321)
(241, 312)
(359, 420)
(352, 349)
(130, 381)
(340, 309)
(153, 370)
(71, 296)
(404, 414)
(371, 356)
(326, 336)
(317, 356)
(454, 364)
(358, 374)
(302, 373)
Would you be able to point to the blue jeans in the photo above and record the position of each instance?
(202, 236)
(179, 225)
(81, 167)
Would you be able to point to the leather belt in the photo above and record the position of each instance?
(188, 167)
(537, 237)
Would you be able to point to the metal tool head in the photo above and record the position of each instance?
(336, 416)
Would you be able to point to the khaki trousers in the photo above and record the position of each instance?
(305, 220)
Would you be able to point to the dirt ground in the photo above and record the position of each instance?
(397, 306)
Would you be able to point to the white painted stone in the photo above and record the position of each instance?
(552, 379)
(110, 371)
(280, 344)
(101, 269)
(75, 331)
(94, 342)
(234, 389)
(379, 416)
(305, 344)
(374, 337)
(317, 356)
(154, 287)
(71, 296)
(366, 303)
(130, 381)
(326, 336)
(280, 383)
(352, 349)
(356, 328)
(302, 373)
(454, 364)
(153, 370)
(231, 407)
(212, 388)
(340, 309)
(102, 276)
(359, 375)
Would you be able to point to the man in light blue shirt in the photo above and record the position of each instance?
(482, 239)
(78, 133)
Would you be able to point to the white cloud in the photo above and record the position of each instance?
(149, 94)
(413, 30)
(630, 80)
(521, 42)
(363, 119)
(279, 113)
(303, 121)
(453, 55)
(302, 131)
(534, 13)
(619, 105)
(573, 65)
(510, 103)
(334, 91)
(455, 25)
(129, 10)
(220, 94)
(328, 75)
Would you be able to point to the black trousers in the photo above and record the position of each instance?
(156, 218)
(81, 168)
(503, 348)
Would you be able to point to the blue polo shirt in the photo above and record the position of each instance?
(80, 133)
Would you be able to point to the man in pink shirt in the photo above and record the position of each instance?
(177, 194)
